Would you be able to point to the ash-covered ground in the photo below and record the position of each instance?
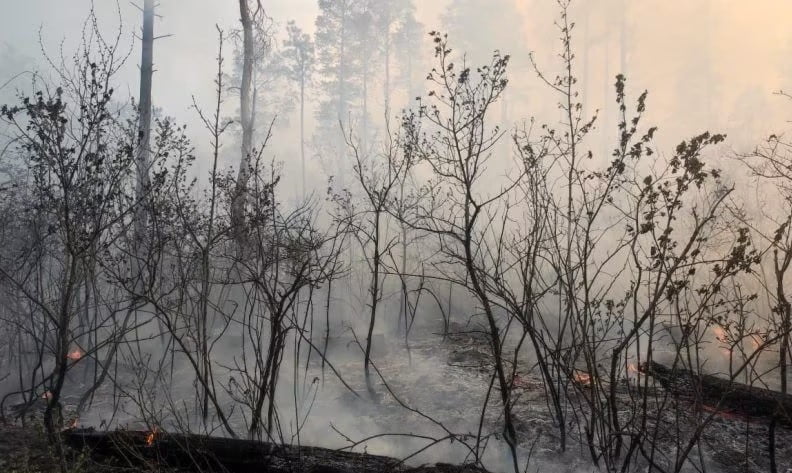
(418, 397)
(448, 380)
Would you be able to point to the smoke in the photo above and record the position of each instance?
(703, 76)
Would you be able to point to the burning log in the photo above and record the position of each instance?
(727, 396)
(152, 436)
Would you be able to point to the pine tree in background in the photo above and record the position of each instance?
(396, 28)
(271, 81)
(298, 56)
(368, 39)
(335, 48)
(479, 35)
(408, 42)
(338, 63)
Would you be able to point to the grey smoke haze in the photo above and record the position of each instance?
(708, 65)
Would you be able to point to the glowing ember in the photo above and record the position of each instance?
(519, 382)
(720, 334)
(151, 437)
(582, 378)
(722, 413)
(756, 341)
(75, 354)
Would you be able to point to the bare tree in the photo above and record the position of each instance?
(300, 56)
(79, 156)
(378, 179)
(771, 163)
(633, 245)
(459, 202)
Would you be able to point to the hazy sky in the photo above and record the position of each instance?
(745, 46)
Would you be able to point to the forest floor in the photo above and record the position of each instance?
(729, 443)
(448, 381)
(25, 450)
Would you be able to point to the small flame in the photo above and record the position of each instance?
(582, 378)
(720, 334)
(756, 342)
(152, 436)
(75, 354)
(632, 368)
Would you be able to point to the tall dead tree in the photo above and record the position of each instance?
(142, 154)
(246, 118)
(460, 198)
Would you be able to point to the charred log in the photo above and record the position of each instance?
(723, 394)
(188, 452)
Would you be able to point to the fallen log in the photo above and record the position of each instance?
(723, 394)
(202, 453)
(190, 452)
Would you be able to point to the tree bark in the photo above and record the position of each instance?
(143, 151)
(784, 309)
(375, 294)
(246, 119)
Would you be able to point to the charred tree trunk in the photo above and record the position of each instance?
(375, 293)
(143, 145)
(784, 310)
(200, 453)
(53, 417)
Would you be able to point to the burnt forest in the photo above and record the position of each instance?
(361, 236)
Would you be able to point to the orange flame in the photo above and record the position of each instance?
(582, 378)
(75, 354)
(152, 436)
(756, 341)
(720, 334)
